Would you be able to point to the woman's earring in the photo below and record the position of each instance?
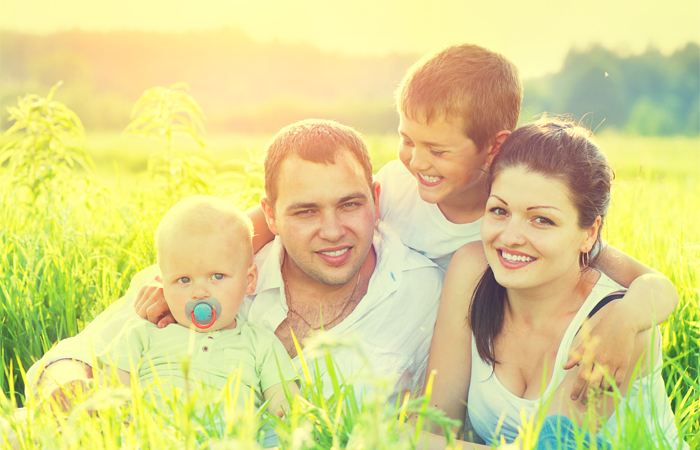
(585, 259)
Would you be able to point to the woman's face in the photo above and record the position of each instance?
(530, 230)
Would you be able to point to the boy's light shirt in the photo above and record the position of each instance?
(421, 225)
(393, 323)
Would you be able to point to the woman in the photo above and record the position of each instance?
(549, 195)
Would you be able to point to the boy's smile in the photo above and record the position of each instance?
(449, 169)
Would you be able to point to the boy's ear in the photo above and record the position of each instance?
(377, 190)
(269, 212)
(252, 279)
(496, 146)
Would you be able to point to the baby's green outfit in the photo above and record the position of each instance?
(248, 351)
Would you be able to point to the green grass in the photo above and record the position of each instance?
(65, 257)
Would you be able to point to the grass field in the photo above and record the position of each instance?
(70, 252)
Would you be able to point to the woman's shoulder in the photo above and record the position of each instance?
(469, 257)
(463, 274)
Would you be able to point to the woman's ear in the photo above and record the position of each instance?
(591, 235)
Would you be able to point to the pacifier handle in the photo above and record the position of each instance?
(203, 327)
(203, 312)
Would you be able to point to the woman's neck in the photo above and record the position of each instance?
(561, 297)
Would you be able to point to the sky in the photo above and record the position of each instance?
(535, 35)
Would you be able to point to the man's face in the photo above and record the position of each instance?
(324, 215)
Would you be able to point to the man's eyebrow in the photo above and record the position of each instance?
(354, 196)
(312, 205)
(301, 205)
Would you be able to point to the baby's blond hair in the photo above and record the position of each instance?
(205, 214)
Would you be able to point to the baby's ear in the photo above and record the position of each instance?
(252, 278)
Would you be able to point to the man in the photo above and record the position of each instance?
(332, 266)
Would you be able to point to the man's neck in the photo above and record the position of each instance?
(311, 288)
(312, 304)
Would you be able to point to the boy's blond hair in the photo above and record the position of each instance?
(478, 88)
(205, 214)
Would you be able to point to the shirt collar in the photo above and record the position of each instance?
(393, 258)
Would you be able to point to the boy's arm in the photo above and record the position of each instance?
(644, 353)
(261, 233)
(650, 299)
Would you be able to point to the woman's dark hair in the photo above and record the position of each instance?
(556, 149)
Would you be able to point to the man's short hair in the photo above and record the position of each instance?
(204, 214)
(476, 87)
(313, 140)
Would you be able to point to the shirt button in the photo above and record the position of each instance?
(266, 323)
(205, 349)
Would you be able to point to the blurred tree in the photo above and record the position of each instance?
(249, 86)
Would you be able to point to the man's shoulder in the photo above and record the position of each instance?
(389, 246)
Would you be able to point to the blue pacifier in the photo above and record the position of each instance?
(203, 312)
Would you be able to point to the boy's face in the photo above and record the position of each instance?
(447, 165)
(200, 266)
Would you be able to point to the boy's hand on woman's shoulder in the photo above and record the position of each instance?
(150, 304)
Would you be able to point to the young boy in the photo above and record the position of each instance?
(456, 108)
(206, 266)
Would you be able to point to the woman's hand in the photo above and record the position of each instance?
(606, 349)
(150, 304)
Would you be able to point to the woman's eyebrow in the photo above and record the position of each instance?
(499, 198)
(544, 207)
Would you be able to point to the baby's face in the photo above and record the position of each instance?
(201, 266)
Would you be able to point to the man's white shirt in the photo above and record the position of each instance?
(392, 326)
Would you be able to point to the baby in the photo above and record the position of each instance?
(206, 266)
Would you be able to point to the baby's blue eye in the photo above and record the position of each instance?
(218, 276)
(183, 280)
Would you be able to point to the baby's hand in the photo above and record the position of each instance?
(605, 349)
(150, 304)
